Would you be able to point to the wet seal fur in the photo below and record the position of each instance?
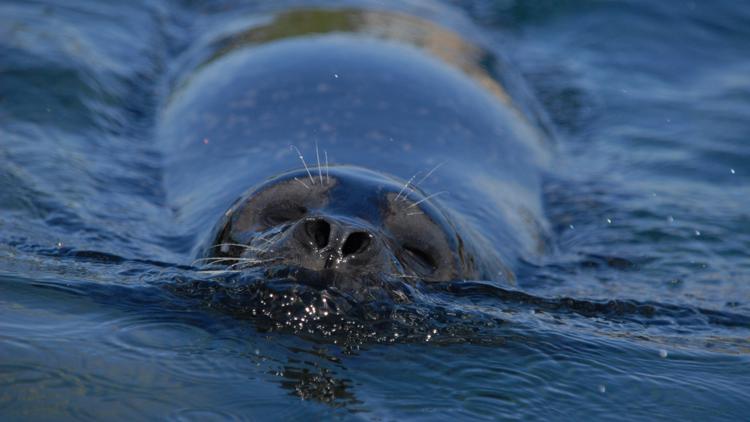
(412, 160)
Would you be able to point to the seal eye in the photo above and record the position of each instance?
(420, 259)
(420, 241)
(277, 214)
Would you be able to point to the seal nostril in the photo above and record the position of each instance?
(319, 231)
(355, 243)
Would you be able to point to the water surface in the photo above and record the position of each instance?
(641, 310)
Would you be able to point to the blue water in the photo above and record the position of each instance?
(640, 310)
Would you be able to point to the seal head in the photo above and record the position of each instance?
(343, 223)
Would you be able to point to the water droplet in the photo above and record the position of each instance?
(336, 75)
(572, 227)
(697, 232)
(731, 171)
(609, 221)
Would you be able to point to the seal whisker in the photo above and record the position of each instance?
(429, 173)
(299, 154)
(267, 241)
(408, 182)
(215, 258)
(250, 262)
(239, 245)
(326, 154)
(265, 248)
(240, 261)
(426, 198)
(303, 183)
(218, 272)
(212, 260)
(402, 275)
(267, 245)
(320, 170)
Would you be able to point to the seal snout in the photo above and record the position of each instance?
(324, 242)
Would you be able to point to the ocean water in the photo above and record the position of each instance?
(639, 310)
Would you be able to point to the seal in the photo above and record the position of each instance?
(420, 164)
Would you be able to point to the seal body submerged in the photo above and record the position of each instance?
(360, 144)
